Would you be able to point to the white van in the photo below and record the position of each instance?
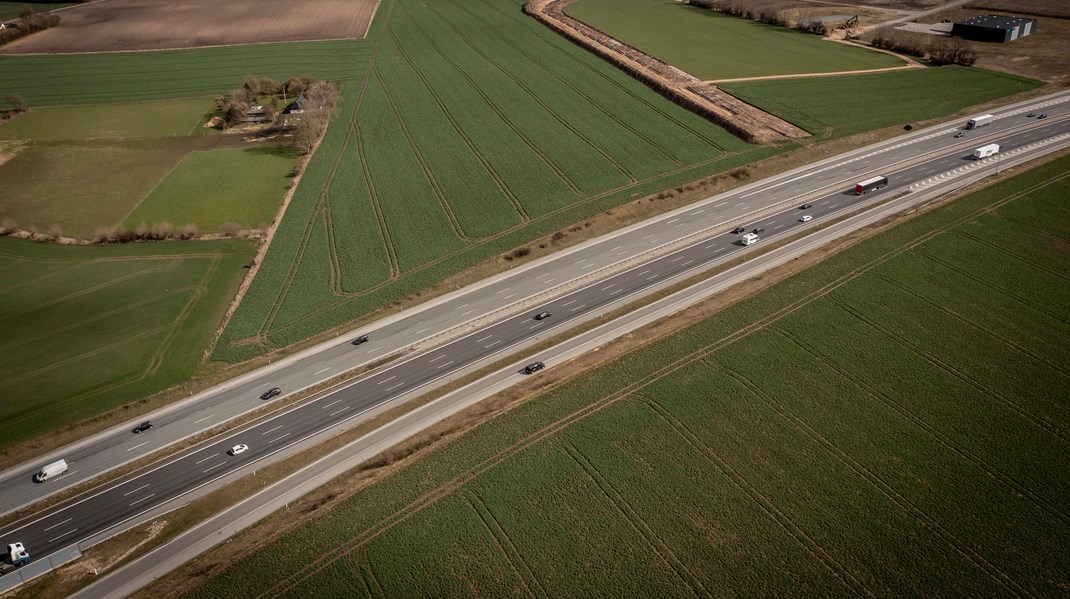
(749, 238)
(50, 471)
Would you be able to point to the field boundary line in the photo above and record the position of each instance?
(905, 505)
(766, 505)
(908, 415)
(810, 75)
(635, 520)
(509, 551)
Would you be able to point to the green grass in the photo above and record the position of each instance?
(850, 104)
(11, 10)
(712, 45)
(166, 118)
(210, 188)
(896, 427)
(85, 329)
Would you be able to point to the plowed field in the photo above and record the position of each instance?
(123, 25)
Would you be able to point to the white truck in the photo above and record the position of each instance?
(979, 121)
(749, 239)
(986, 151)
(16, 557)
(50, 471)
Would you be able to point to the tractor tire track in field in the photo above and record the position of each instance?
(524, 218)
(380, 216)
(764, 504)
(428, 173)
(536, 98)
(903, 341)
(1017, 256)
(197, 292)
(635, 521)
(905, 505)
(597, 106)
(966, 320)
(505, 545)
(931, 431)
(497, 111)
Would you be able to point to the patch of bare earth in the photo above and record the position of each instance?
(124, 25)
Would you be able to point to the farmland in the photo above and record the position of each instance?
(838, 106)
(151, 309)
(712, 45)
(11, 10)
(891, 422)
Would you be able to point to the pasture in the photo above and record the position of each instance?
(891, 422)
(148, 25)
(86, 329)
(712, 45)
(849, 104)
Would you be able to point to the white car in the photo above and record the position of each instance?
(239, 448)
(806, 219)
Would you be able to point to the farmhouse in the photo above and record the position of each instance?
(994, 28)
(297, 106)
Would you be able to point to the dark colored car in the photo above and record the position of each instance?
(534, 367)
(542, 315)
(359, 340)
(805, 206)
(144, 426)
(272, 392)
(1031, 114)
(960, 134)
(1043, 116)
(758, 230)
(739, 230)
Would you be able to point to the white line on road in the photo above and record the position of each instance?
(545, 274)
(339, 411)
(686, 263)
(719, 250)
(278, 438)
(482, 339)
(669, 222)
(614, 249)
(641, 273)
(504, 290)
(579, 307)
(138, 445)
(129, 492)
(509, 296)
(678, 258)
(330, 404)
(69, 519)
(607, 286)
(551, 280)
(778, 227)
(492, 344)
(569, 302)
(142, 499)
(652, 277)
(467, 313)
(203, 419)
(376, 351)
(272, 430)
(622, 253)
(387, 379)
(648, 236)
(461, 306)
(615, 292)
(698, 212)
(395, 387)
(420, 331)
(211, 456)
(721, 204)
(321, 371)
(213, 467)
(438, 357)
(445, 365)
(535, 326)
(63, 535)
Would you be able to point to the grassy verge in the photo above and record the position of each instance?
(861, 427)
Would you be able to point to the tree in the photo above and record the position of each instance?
(319, 107)
(252, 85)
(18, 102)
(268, 86)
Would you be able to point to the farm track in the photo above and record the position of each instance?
(521, 569)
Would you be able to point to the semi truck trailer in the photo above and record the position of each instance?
(986, 151)
(979, 121)
(870, 184)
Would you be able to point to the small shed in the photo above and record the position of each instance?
(994, 28)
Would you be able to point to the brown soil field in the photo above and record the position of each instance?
(124, 25)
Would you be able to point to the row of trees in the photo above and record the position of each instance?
(30, 21)
(317, 105)
(939, 50)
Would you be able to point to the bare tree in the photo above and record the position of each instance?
(55, 231)
(319, 107)
(252, 84)
(18, 102)
(268, 86)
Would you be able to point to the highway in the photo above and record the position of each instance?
(566, 299)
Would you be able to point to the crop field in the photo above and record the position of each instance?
(839, 106)
(892, 422)
(475, 130)
(11, 10)
(149, 25)
(135, 76)
(204, 188)
(151, 309)
(162, 118)
(712, 45)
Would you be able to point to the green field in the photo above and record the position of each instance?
(838, 106)
(209, 189)
(892, 422)
(85, 329)
(712, 45)
(11, 10)
(81, 168)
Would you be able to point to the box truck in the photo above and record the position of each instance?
(50, 471)
(980, 121)
(986, 151)
(749, 238)
(870, 184)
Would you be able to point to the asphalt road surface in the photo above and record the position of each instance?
(107, 508)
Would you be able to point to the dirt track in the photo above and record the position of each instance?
(123, 25)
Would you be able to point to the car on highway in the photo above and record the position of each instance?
(534, 367)
(960, 134)
(272, 392)
(806, 219)
(758, 230)
(805, 206)
(144, 426)
(238, 449)
(359, 340)
(1031, 114)
(1043, 116)
(739, 230)
(542, 315)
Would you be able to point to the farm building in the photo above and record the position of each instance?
(994, 28)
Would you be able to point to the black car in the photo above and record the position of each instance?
(805, 206)
(359, 340)
(542, 315)
(272, 392)
(1031, 114)
(739, 230)
(534, 367)
(1043, 116)
(758, 230)
(144, 426)
(959, 134)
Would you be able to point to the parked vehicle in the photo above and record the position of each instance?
(534, 367)
(359, 340)
(870, 184)
(51, 471)
(272, 392)
(980, 121)
(986, 151)
(144, 426)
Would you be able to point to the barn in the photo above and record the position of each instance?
(994, 28)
